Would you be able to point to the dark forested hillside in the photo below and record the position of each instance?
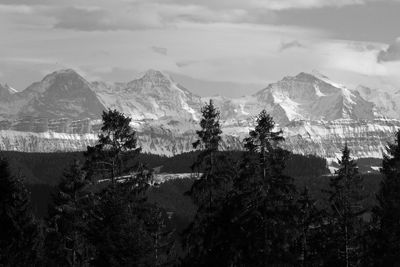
(47, 168)
(42, 172)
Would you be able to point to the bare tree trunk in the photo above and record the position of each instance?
(347, 246)
(304, 248)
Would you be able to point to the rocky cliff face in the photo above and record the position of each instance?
(365, 139)
(61, 113)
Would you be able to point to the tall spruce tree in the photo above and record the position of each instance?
(208, 192)
(346, 195)
(66, 243)
(262, 204)
(262, 140)
(20, 234)
(122, 224)
(205, 190)
(310, 224)
(387, 212)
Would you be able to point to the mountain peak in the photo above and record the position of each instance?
(64, 72)
(313, 75)
(8, 89)
(153, 78)
(152, 74)
(306, 76)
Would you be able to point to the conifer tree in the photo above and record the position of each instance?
(117, 225)
(310, 224)
(387, 212)
(209, 191)
(20, 234)
(263, 140)
(66, 244)
(115, 146)
(262, 204)
(345, 217)
(122, 225)
(206, 188)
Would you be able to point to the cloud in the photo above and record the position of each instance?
(139, 16)
(16, 9)
(392, 53)
(105, 15)
(76, 18)
(101, 19)
(306, 4)
(25, 2)
(185, 63)
(289, 45)
(160, 50)
(271, 4)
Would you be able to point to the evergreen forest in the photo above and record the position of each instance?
(263, 206)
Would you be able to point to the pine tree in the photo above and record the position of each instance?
(310, 224)
(20, 235)
(123, 227)
(208, 192)
(262, 204)
(116, 145)
(387, 212)
(206, 188)
(345, 219)
(262, 140)
(66, 244)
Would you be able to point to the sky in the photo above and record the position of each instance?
(211, 45)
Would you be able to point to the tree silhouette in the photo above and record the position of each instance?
(346, 194)
(311, 227)
(66, 243)
(20, 235)
(116, 144)
(258, 215)
(387, 212)
(124, 229)
(208, 191)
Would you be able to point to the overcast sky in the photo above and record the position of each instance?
(238, 41)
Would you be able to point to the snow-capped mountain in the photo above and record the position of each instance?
(302, 97)
(307, 97)
(62, 94)
(153, 96)
(386, 103)
(62, 112)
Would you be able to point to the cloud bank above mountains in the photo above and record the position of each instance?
(254, 42)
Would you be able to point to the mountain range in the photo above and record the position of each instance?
(62, 113)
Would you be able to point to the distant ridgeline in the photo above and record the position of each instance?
(62, 113)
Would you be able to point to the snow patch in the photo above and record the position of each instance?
(332, 169)
(317, 91)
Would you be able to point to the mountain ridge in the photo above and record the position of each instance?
(318, 115)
